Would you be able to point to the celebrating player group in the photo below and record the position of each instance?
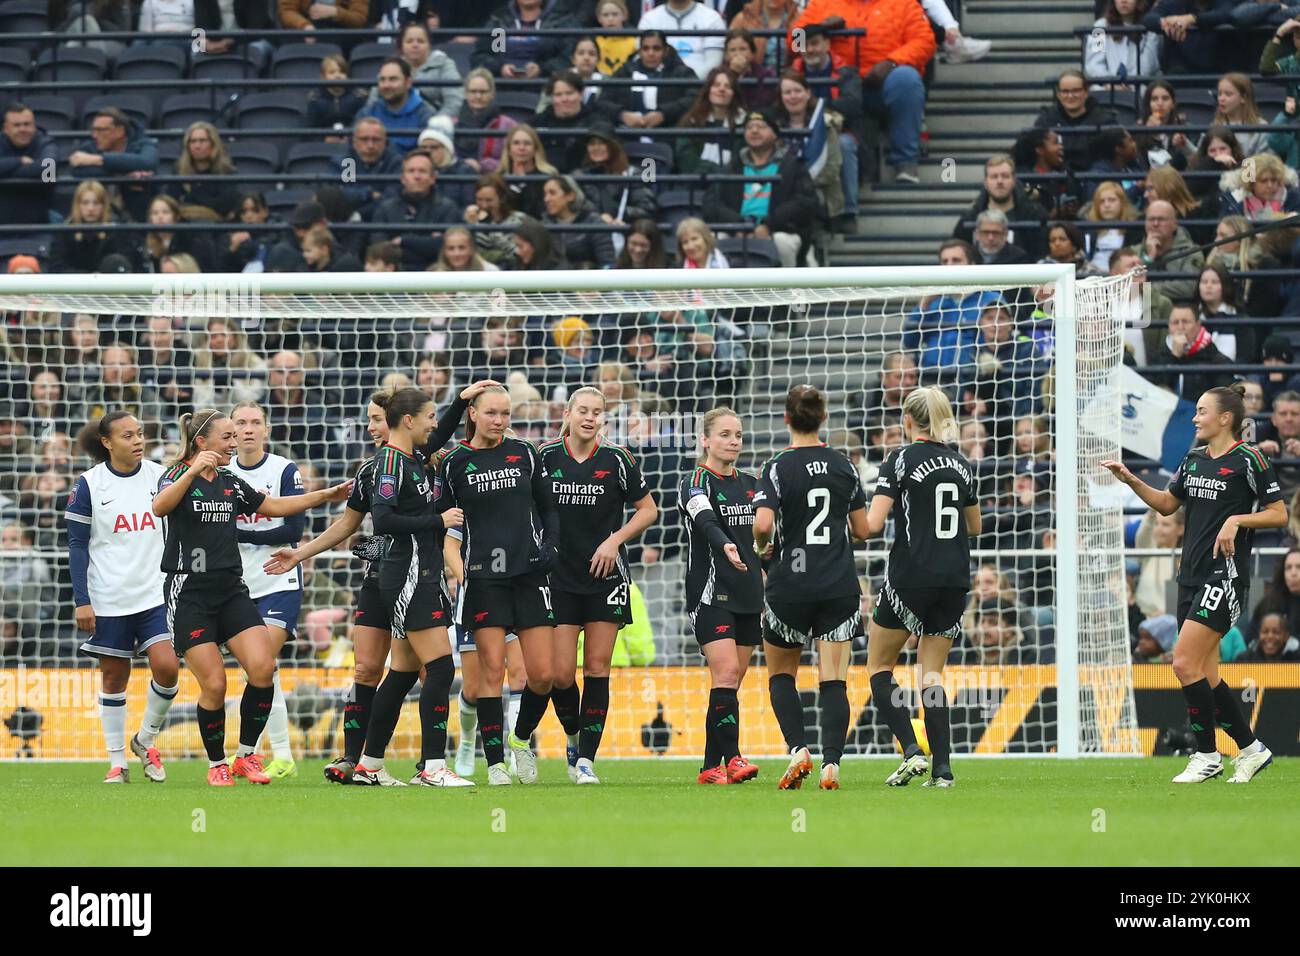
(499, 554)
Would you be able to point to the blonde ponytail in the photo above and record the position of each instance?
(932, 413)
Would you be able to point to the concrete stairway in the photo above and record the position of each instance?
(973, 111)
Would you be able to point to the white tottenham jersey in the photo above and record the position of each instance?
(126, 537)
(278, 477)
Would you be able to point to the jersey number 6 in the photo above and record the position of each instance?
(946, 514)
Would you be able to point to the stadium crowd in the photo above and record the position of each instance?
(410, 145)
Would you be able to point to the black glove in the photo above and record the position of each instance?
(371, 548)
(547, 556)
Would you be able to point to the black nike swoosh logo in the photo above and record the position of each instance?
(108, 502)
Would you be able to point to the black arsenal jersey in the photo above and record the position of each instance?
(1212, 490)
(404, 505)
(360, 496)
(592, 497)
(812, 490)
(199, 534)
(509, 510)
(710, 503)
(930, 484)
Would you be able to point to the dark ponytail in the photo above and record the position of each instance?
(1232, 399)
(806, 407)
(92, 436)
(405, 401)
(194, 426)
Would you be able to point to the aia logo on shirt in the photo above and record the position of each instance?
(598, 475)
(511, 459)
(144, 521)
(1225, 471)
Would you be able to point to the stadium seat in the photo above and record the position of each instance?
(53, 113)
(255, 156)
(519, 105)
(270, 111)
(24, 16)
(14, 65)
(169, 150)
(150, 63)
(661, 153)
(281, 201)
(71, 64)
(223, 67)
(367, 58)
(301, 61)
(314, 158)
(460, 55)
(139, 108)
(750, 253)
(182, 109)
(1197, 104)
(678, 204)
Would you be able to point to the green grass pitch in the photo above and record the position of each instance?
(651, 812)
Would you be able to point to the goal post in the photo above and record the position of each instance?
(1042, 666)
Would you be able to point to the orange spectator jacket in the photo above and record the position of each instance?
(351, 14)
(896, 30)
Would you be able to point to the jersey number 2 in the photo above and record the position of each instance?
(946, 514)
(818, 532)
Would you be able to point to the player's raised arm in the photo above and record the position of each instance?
(282, 507)
(1165, 502)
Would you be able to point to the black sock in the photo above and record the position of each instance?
(356, 721)
(935, 701)
(835, 719)
(724, 714)
(1200, 714)
(434, 697)
(568, 703)
(212, 728)
(387, 709)
(888, 698)
(491, 717)
(788, 706)
(1228, 715)
(254, 709)
(532, 708)
(594, 709)
(712, 755)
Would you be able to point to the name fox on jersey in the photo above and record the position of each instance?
(575, 493)
(498, 479)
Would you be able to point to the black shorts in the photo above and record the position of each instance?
(934, 611)
(515, 604)
(613, 605)
(416, 606)
(1216, 603)
(208, 608)
(795, 623)
(372, 610)
(717, 624)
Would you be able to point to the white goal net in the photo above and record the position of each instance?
(1029, 356)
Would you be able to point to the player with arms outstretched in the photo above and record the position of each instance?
(512, 535)
(278, 596)
(207, 600)
(372, 637)
(809, 499)
(724, 586)
(1228, 490)
(115, 547)
(593, 482)
(930, 489)
(408, 506)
